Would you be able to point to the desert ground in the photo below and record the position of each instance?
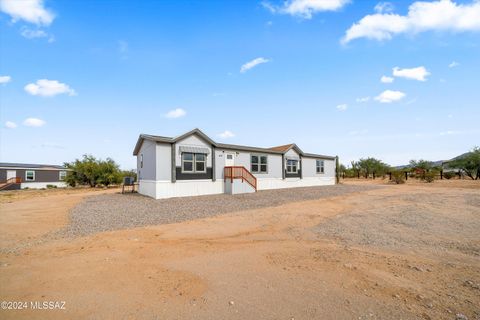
(359, 250)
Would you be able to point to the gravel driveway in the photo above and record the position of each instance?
(123, 211)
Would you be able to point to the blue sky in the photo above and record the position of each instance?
(82, 77)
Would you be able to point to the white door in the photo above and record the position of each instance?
(229, 159)
(11, 174)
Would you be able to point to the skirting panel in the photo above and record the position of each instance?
(167, 189)
(265, 184)
(42, 185)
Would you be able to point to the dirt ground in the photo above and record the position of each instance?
(398, 252)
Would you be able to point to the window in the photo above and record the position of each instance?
(29, 175)
(62, 175)
(259, 164)
(292, 166)
(194, 162)
(141, 160)
(320, 166)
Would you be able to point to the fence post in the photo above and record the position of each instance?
(441, 174)
(406, 175)
(390, 176)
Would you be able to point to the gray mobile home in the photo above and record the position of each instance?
(33, 176)
(193, 164)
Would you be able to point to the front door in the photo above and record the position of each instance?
(229, 159)
(11, 174)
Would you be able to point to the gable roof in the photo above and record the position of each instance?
(274, 150)
(288, 147)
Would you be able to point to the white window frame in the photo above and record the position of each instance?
(26, 175)
(194, 162)
(259, 163)
(62, 173)
(290, 166)
(320, 166)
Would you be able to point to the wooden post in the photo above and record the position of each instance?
(390, 176)
(406, 175)
(441, 174)
(337, 174)
(373, 175)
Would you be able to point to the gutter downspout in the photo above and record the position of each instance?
(174, 172)
(283, 166)
(214, 177)
(301, 168)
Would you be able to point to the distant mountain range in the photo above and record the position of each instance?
(437, 163)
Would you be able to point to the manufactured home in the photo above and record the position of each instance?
(33, 176)
(193, 164)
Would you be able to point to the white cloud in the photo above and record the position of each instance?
(226, 134)
(389, 96)
(383, 7)
(10, 125)
(385, 79)
(34, 122)
(176, 113)
(48, 88)
(30, 34)
(342, 107)
(453, 64)
(418, 73)
(442, 15)
(251, 64)
(32, 11)
(5, 79)
(362, 99)
(36, 33)
(305, 8)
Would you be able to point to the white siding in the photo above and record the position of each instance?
(194, 141)
(310, 168)
(164, 162)
(242, 158)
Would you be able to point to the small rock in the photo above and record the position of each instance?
(460, 316)
(231, 303)
(471, 284)
(416, 268)
(396, 296)
(419, 297)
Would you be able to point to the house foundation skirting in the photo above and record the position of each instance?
(168, 189)
(266, 184)
(42, 185)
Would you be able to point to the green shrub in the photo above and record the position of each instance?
(398, 177)
(51, 186)
(429, 176)
(448, 175)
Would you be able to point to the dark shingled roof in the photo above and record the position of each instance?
(30, 166)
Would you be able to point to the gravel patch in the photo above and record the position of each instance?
(416, 221)
(123, 211)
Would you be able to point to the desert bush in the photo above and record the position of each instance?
(468, 163)
(429, 176)
(93, 172)
(398, 177)
(448, 175)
